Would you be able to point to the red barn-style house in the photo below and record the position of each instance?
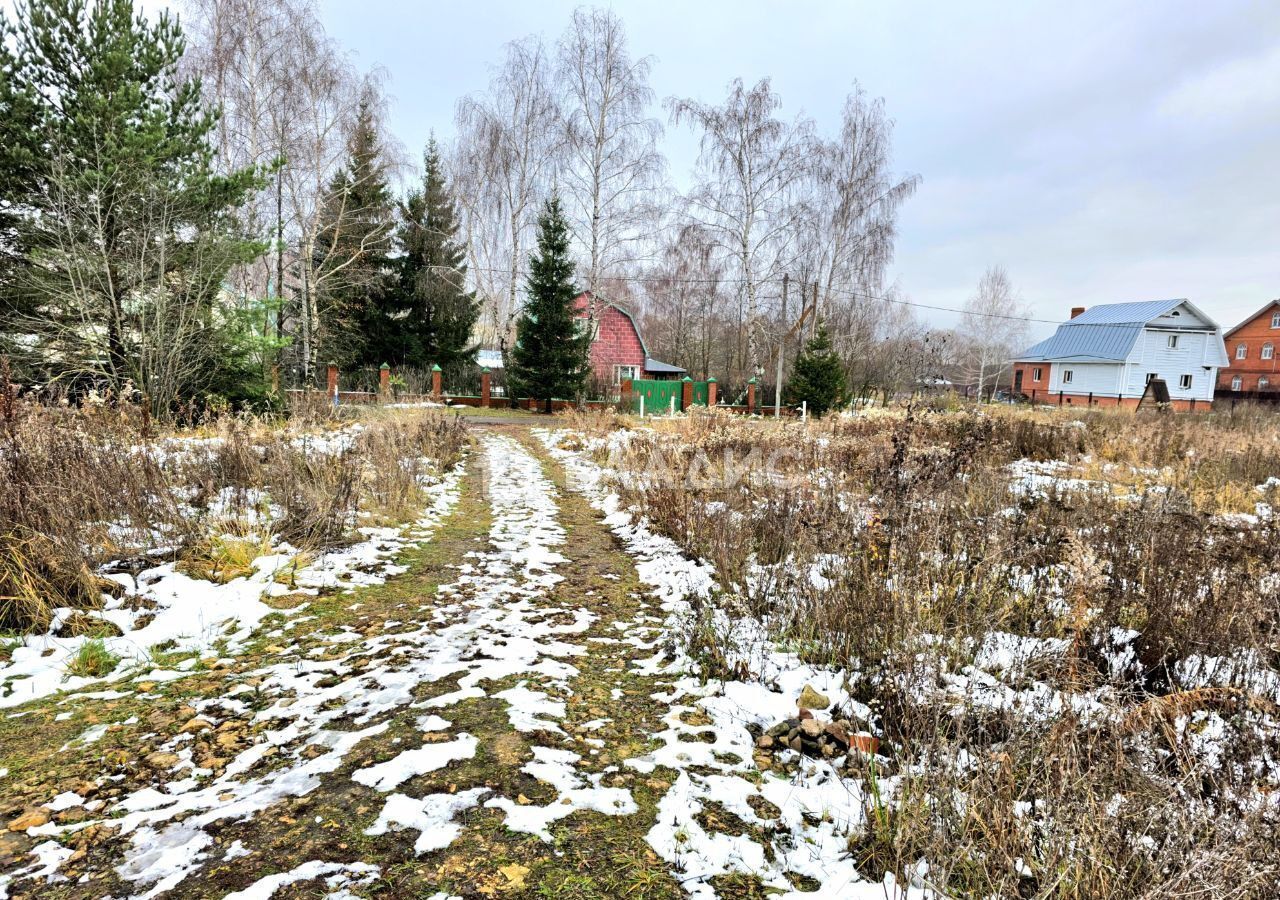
(1251, 352)
(618, 351)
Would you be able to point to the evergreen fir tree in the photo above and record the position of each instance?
(818, 377)
(120, 231)
(435, 312)
(354, 249)
(550, 357)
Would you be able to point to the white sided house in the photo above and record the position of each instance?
(1105, 356)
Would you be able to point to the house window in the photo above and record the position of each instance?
(1241, 351)
(1035, 374)
(1275, 320)
(621, 373)
(1263, 383)
(1066, 376)
(1184, 382)
(1173, 342)
(1268, 351)
(1237, 383)
(1150, 375)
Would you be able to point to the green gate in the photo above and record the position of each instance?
(701, 396)
(657, 396)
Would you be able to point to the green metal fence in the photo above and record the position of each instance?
(659, 394)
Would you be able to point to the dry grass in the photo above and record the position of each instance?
(923, 553)
(82, 487)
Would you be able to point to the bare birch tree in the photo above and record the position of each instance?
(612, 164)
(750, 169)
(509, 139)
(995, 322)
(854, 205)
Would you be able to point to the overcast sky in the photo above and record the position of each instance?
(1100, 151)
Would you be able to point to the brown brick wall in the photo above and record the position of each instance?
(1028, 369)
(1253, 333)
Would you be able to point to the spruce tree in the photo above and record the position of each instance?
(354, 252)
(550, 357)
(818, 377)
(120, 231)
(435, 311)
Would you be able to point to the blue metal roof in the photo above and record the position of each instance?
(1107, 333)
(1139, 313)
(1085, 343)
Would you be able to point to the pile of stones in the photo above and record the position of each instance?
(812, 734)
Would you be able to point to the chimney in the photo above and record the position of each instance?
(1076, 310)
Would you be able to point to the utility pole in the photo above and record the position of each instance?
(814, 332)
(280, 311)
(782, 343)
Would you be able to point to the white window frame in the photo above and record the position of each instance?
(1242, 351)
(1275, 320)
(1268, 350)
(1184, 382)
(1263, 383)
(1237, 383)
(618, 376)
(1035, 374)
(1067, 375)
(1173, 342)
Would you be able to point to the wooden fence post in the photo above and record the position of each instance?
(484, 387)
(333, 382)
(686, 392)
(435, 382)
(751, 397)
(711, 391)
(384, 381)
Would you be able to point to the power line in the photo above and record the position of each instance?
(862, 295)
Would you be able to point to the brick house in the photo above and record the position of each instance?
(1251, 352)
(618, 350)
(1104, 356)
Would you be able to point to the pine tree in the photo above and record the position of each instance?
(121, 229)
(353, 252)
(435, 311)
(818, 378)
(550, 359)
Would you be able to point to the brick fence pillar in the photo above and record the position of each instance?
(436, 390)
(333, 381)
(686, 392)
(484, 387)
(751, 397)
(624, 393)
(384, 381)
(711, 391)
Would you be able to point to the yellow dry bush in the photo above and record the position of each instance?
(221, 558)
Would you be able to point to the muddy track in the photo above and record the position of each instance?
(460, 730)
